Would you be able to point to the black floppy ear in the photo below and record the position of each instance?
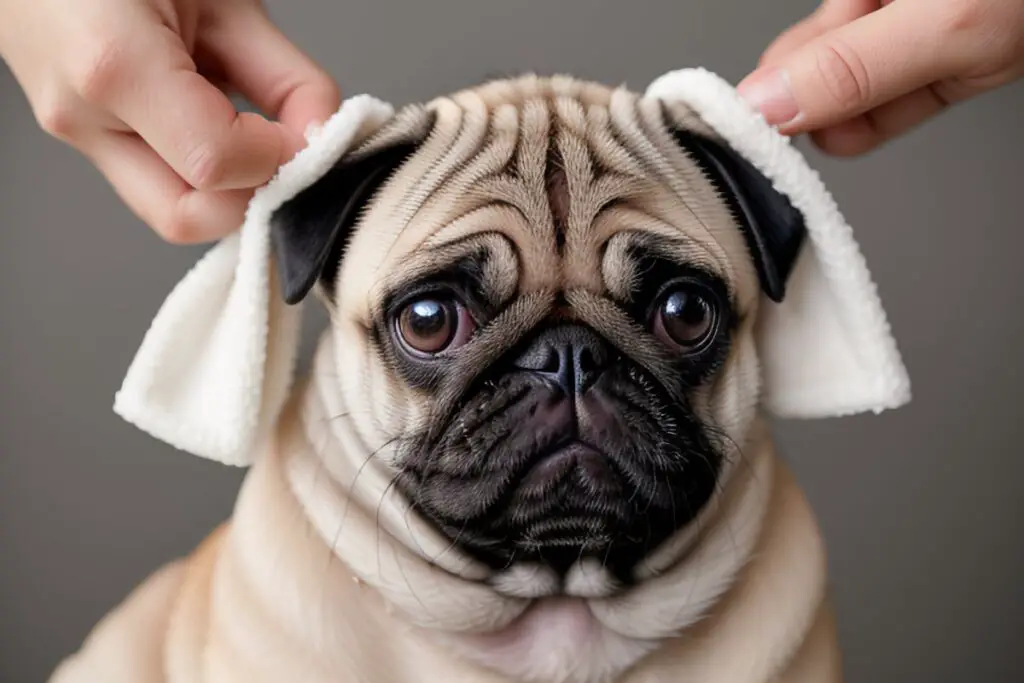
(773, 227)
(309, 232)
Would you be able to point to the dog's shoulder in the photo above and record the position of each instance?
(129, 645)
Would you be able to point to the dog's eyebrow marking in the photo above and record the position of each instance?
(472, 271)
(627, 270)
(653, 265)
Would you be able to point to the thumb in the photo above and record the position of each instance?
(265, 67)
(852, 69)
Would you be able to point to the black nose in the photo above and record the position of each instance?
(572, 355)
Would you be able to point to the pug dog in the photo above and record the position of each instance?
(530, 446)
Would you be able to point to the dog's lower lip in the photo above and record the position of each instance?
(570, 451)
(574, 452)
(550, 469)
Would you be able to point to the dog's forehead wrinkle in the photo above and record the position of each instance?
(461, 193)
(412, 123)
(460, 129)
(607, 148)
(528, 86)
(627, 124)
(562, 154)
(657, 223)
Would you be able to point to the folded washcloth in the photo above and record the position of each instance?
(216, 365)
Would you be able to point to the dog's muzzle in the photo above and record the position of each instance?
(568, 452)
(570, 499)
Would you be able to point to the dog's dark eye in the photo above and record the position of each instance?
(685, 317)
(434, 324)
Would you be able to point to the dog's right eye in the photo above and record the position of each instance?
(685, 317)
(433, 324)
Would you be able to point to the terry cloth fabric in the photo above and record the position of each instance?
(827, 350)
(216, 365)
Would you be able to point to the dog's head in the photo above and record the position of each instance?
(544, 295)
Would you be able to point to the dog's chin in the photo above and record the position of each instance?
(564, 494)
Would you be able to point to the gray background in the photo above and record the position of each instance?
(921, 507)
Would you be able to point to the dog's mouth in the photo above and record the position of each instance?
(576, 464)
(553, 481)
(569, 503)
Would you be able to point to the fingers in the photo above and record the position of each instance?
(156, 194)
(151, 85)
(271, 72)
(830, 15)
(120, 83)
(195, 128)
(869, 130)
(852, 69)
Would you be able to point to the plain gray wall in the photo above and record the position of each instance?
(921, 507)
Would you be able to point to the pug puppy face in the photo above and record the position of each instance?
(543, 295)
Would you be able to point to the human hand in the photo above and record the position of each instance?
(860, 72)
(138, 87)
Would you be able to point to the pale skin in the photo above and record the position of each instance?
(138, 87)
(862, 72)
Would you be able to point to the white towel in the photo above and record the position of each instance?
(216, 365)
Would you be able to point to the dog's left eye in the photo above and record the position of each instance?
(433, 324)
(685, 317)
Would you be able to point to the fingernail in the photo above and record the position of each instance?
(769, 93)
(293, 143)
(313, 127)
